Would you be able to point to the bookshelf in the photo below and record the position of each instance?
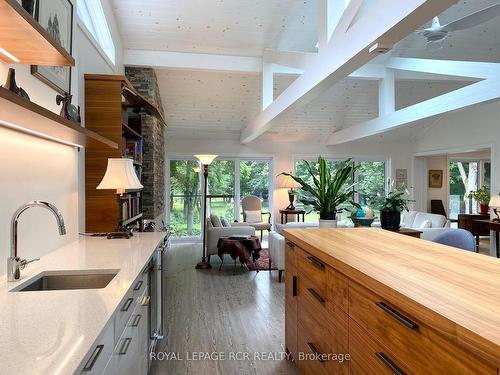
(113, 110)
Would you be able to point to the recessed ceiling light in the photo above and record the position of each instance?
(9, 55)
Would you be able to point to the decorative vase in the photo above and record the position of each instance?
(328, 220)
(11, 85)
(327, 223)
(483, 208)
(390, 219)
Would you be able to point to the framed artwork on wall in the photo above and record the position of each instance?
(401, 178)
(56, 16)
(435, 178)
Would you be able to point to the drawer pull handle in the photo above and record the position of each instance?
(318, 263)
(125, 345)
(145, 301)
(127, 304)
(294, 286)
(397, 315)
(93, 358)
(317, 354)
(138, 285)
(316, 295)
(136, 321)
(386, 361)
(290, 244)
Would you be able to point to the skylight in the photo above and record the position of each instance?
(92, 15)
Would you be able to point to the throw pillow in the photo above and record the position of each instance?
(253, 216)
(426, 224)
(209, 223)
(224, 222)
(215, 220)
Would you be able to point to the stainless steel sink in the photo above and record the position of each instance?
(68, 280)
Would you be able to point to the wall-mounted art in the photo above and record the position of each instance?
(401, 179)
(56, 16)
(435, 178)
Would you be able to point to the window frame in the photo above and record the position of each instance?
(99, 33)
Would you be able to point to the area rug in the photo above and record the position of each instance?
(263, 262)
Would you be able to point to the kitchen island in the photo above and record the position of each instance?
(393, 303)
(62, 332)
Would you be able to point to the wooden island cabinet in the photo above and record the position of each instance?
(368, 301)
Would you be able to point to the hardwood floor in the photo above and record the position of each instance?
(233, 311)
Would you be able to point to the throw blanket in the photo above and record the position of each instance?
(247, 250)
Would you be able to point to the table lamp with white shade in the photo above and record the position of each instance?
(205, 161)
(495, 203)
(120, 176)
(289, 183)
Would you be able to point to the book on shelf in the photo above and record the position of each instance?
(132, 149)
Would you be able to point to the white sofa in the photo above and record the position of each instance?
(411, 219)
(216, 232)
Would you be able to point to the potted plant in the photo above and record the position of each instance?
(482, 196)
(324, 191)
(394, 202)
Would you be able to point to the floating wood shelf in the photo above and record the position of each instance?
(133, 97)
(130, 133)
(27, 40)
(25, 116)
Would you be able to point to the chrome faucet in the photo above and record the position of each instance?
(14, 263)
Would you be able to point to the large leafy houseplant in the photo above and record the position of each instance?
(394, 202)
(324, 191)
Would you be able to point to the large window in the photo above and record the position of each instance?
(229, 180)
(370, 182)
(92, 15)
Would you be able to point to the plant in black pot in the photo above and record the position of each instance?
(325, 191)
(393, 204)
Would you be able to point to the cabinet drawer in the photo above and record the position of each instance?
(312, 268)
(337, 289)
(125, 309)
(369, 357)
(317, 337)
(416, 344)
(290, 254)
(99, 354)
(291, 310)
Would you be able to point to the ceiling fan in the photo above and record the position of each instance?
(437, 32)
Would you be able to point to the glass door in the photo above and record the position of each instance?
(254, 176)
(221, 189)
(464, 178)
(185, 198)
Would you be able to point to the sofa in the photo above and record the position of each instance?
(430, 224)
(217, 229)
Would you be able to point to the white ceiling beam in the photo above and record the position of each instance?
(477, 93)
(348, 16)
(469, 69)
(267, 85)
(180, 60)
(387, 93)
(383, 20)
(292, 59)
(330, 13)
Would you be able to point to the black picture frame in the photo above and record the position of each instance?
(49, 74)
(29, 6)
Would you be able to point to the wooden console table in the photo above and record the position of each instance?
(407, 232)
(487, 225)
(469, 222)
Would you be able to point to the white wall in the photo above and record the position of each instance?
(33, 168)
(285, 154)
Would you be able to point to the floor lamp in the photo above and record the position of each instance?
(205, 161)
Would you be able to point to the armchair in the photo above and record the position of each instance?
(252, 214)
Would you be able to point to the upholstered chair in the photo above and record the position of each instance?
(253, 215)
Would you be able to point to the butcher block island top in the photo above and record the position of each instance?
(455, 291)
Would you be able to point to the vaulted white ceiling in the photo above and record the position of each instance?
(221, 104)
(232, 27)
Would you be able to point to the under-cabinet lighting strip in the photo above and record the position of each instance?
(9, 55)
(37, 134)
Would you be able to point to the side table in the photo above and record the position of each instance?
(284, 214)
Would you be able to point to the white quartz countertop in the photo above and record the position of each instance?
(49, 332)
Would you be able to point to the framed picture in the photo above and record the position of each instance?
(56, 16)
(435, 178)
(29, 6)
(401, 178)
